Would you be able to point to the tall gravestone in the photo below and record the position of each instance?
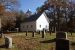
(33, 34)
(1, 34)
(17, 29)
(26, 33)
(61, 35)
(62, 43)
(39, 32)
(43, 33)
(0, 24)
(0, 29)
(8, 42)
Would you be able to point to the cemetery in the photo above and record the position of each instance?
(36, 41)
(37, 25)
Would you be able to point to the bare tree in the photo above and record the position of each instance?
(8, 10)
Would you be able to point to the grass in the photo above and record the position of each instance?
(23, 42)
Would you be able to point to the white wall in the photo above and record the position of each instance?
(24, 26)
(42, 20)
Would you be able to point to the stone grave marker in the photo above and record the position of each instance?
(61, 35)
(17, 29)
(1, 35)
(33, 34)
(26, 33)
(8, 42)
(39, 32)
(43, 33)
(62, 43)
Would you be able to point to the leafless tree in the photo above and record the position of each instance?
(8, 10)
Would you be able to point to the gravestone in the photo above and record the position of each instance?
(39, 32)
(61, 35)
(17, 29)
(62, 43)
(26, 33)
(33, 34)
(8, 42)
(43, 33)
(1, 35)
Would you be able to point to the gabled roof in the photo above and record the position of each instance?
(32, 18)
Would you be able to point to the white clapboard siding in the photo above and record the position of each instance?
(42, 22)
(38, 25)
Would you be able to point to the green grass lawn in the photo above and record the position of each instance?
(23, 42)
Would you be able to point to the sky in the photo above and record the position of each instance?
(30, 4)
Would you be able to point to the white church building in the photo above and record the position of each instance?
(36, 22)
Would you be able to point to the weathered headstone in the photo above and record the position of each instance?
(8, 42)
(50, 30)
(17, 29)
(43, 33)
(26, 33)
(61, 35)
(39, 32)
(1, 35)
(33, 34)
(62, 44)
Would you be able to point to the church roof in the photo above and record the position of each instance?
(32, 18)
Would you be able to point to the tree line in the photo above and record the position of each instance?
(61, 13)
(10, 14)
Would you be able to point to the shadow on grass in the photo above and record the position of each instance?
(2, 46)
(48, 41)
(73, 43)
